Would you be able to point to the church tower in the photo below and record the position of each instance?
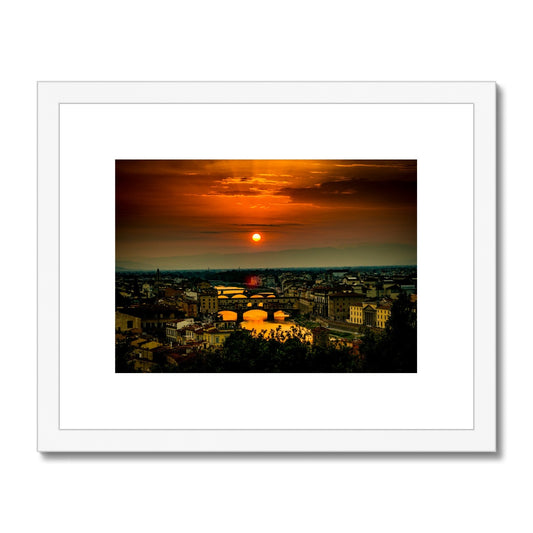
(157, 282)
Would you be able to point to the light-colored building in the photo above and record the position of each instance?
(185, 332)
(147, 349)
(383, 313)
(173, 327)
(374, 315)
(356, 314)
(215, 337)
(147, 290)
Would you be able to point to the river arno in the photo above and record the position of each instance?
(256, 319)
(253, 321)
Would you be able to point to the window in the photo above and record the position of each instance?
(130, 324)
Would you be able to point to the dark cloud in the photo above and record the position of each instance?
(356, 191)
(237, 192)
(281, 225)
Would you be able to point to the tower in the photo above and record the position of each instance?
(157, 282)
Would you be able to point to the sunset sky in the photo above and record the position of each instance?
(199, 214)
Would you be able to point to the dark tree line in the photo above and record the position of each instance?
(395, 350)
(275, 352)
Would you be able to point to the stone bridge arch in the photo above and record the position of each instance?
(270, 303)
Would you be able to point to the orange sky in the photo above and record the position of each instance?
(207, 209)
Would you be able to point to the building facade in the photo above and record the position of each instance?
(208, 301)
(374, 315)
(339, 305)
(125, 322)
(172, 328)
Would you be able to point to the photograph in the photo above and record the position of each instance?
(250, 252)
(265, 266)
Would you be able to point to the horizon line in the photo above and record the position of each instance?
(336, 267)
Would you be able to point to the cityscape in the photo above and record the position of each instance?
(237, 266)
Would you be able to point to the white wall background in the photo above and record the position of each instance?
(276, 40)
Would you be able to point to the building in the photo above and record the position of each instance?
(338, 274)
(356, 314)
(215, 337)
(154, 317)
(189, 306)
(370, 314)
(339, 304)
(409, 289)
(146, 350)
(305, 305)
(125, 322)
(170, 292)
(146, 290)
(144, 354)
(383, 313)
(173, 327)
(208, 301)
(320, 300)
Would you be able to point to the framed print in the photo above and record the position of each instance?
(267, 266)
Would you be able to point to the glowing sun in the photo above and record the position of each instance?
(256, 237)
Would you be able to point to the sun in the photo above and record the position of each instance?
(256, 237)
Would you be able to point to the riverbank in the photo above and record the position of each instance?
(336, 329)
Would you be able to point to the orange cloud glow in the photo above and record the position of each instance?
(186, 208)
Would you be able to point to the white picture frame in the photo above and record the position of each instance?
(78, 396)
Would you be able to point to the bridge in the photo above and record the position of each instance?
(270, 303)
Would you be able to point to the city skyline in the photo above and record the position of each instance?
(200, 214)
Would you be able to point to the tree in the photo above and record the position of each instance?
(275, 351)
(396, 349)
(122, 360)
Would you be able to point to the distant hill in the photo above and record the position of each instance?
(360, 255)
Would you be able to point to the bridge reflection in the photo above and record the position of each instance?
(252, 314)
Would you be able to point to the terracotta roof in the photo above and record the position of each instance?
(150, 345)
(346, 295)
(138, 342)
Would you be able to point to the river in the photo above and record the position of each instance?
(255, 319)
